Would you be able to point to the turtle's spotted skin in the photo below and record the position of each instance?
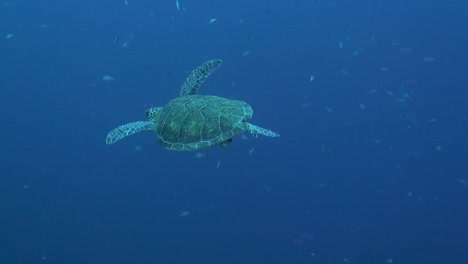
(191, 121)
(128, 129)
(198, 76)
(201, 121)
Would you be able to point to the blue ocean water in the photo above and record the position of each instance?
(369, 98)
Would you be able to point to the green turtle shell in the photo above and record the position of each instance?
(200, 121)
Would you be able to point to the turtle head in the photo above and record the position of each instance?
(153, 113)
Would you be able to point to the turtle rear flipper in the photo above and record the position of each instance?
(128, 129)
(256, 130)
(198, 76)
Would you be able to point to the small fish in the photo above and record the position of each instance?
(251, 151)
(177, 5)
(107, 78)
(138, 148)
(384, 69)
(185, 213)
(212, 20)
(344, 72)
(429, 59)
(245, 53)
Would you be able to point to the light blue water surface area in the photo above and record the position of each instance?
(370, 99)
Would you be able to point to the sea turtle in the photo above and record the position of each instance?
(192, 121)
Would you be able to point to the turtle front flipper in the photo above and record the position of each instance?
(256, 130)
(128, 129)
(198, 76)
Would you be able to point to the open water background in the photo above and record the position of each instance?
(371, 165)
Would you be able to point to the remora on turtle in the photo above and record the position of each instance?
(192, 121)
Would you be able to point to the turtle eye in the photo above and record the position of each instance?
(147, 113)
